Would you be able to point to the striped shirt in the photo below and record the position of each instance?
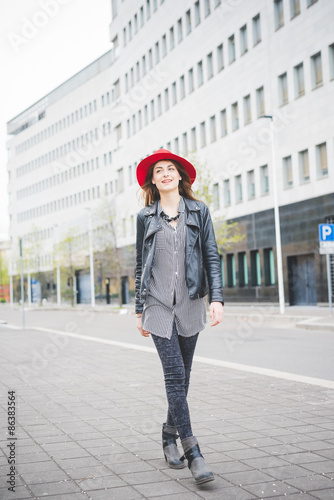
(168, 296)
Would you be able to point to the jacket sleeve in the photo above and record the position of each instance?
(211, 259)
(139, 258)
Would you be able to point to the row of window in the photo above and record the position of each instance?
(138, 20)
(294, 10)
(56, 127)
(87, 139)
(160, 51)
(249, 177)
(248, 271)
(298, 76)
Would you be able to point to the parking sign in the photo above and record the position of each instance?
(326, 238)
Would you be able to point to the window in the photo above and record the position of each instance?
(152, 110)
(287, 172)
(191, 80)
(166, 100)
(144, 65)
(231, 49)
(299, 80)
(242, 269)
(126, 82)
(243, 40)
(278, 14)
(185, 143)
(145, 114)
(264, 179)
(118, 131)
(209, 63)
(155, 5)
(331, 61)
(260, 102)
(311, 2)
(223, 123)
(182, 87)
(130, 30)
(294, 8)
(238, 189)
(176, 145)
(136, 23)
(157, 53)
(256, 29)
(130, 174)
(213, 135)
(148, 9)
(188, 22)
(247, 110)
(120, 180)
(207, 8)
(171, 38)
(269, 266)
(197, 13)
(321, 160)
(251, 184)
(220, 57)
(134, 123)
(255, 268)
(283, 89)
(231, 275)
(128, 128)
(200, 79)
(150, 59)
(132, 77)
(235, 116)
(193, 139)
(203, 134)
(227, 192)
(215, 192)
(174, 96)
(116, 91)
(316, 70)
(304, 170)
(140, 121)
(137, 71)
(142, 20)
(124, 37)
(164, 46)
(159, 105)
(179, 31)
(222, 269)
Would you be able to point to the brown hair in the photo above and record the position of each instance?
(151, 193)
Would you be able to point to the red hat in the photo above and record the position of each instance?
(163, 154)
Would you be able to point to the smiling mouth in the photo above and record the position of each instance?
(167, 180)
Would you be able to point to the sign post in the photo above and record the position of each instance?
(326, 246)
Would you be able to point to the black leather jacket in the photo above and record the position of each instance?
(202, 262)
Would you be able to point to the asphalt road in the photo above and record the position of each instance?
(283, 348)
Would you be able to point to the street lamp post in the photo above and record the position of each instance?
(277, 223)
(91, 258)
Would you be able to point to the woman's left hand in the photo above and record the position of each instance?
(216, 313)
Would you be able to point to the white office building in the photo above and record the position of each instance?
(247, 85)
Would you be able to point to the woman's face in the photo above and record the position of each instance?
(166, 176)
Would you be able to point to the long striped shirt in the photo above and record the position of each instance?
(168, 296)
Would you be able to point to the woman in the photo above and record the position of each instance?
(177, 264)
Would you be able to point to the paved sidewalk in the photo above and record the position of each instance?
(89, 420)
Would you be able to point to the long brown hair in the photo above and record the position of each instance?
(151, 193)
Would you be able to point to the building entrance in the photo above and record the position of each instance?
(301, 280)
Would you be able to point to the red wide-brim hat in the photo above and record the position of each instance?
(163, 154)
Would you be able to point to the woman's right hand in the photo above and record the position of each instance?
(142, 332)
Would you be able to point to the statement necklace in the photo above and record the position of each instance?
(167, 218)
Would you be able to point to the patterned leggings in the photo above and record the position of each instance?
(176, 357)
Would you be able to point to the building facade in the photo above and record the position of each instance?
(246, 85)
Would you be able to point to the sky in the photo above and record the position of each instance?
(43, 43)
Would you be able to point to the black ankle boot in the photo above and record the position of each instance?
(172, 455)
(199, 469)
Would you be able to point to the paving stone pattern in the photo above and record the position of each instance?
(89, 427)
